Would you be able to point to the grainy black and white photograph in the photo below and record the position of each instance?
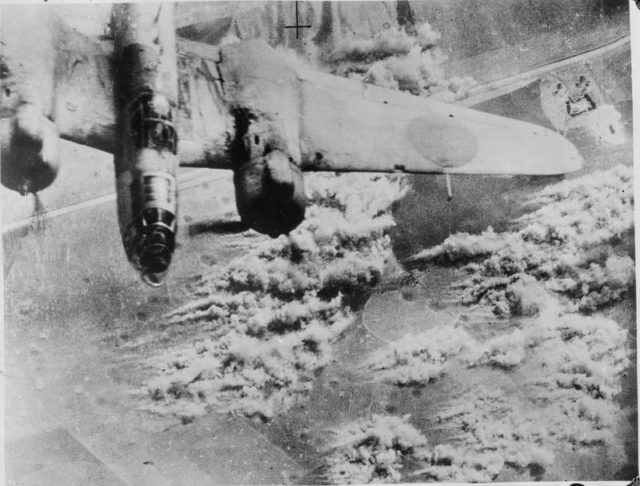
(318, 242)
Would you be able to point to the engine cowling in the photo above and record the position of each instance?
(30, 154)
(270, 193)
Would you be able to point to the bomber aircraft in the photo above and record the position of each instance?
(157, 102)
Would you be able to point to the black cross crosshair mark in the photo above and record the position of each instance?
(298, 26)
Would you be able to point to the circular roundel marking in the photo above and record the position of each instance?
(444, 141)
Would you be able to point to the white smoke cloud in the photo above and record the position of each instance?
(569, 372)
(562, 258)
(571, 244)
(568, 367)
(373, 450)
(390, 43)
(605, 124)
(415, 360)
(271, 315)
(498, 430)
(397, 59)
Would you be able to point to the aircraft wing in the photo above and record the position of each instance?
(342, 125)
(337, 124)
(352, 126)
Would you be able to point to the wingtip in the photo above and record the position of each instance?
(572, 161)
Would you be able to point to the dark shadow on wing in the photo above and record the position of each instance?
(210, 32)
(219, 227)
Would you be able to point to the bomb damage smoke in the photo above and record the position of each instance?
(274, 313)
(567, 257)
(268, 320)
(575, 242)
(397, 60)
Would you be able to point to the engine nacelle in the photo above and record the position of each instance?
(30, 154)
(270, 193)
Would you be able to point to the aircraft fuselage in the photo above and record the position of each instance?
(145, 94)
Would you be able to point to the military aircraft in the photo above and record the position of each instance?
(156, 102)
